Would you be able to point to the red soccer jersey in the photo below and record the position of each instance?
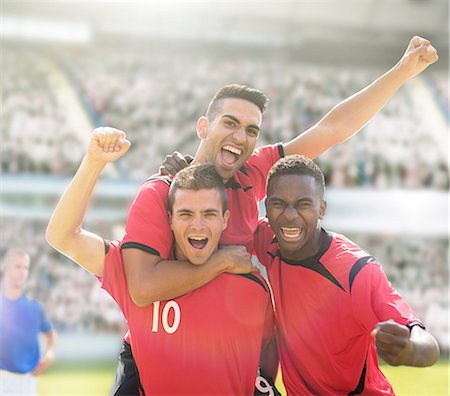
(325, 308)
(148, 224)
(206, 342)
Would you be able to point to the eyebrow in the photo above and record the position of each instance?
(252, 126)
(211, 211)
(304, 199)
(204, 211)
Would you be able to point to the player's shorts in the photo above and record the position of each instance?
(17, 384)
(127, 377)
(265, 386)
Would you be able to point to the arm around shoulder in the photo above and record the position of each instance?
(150, 278)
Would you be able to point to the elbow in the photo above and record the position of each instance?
(141, 296)
(52, 238)
(61, 241)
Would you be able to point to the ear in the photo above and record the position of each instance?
(226, 216)
(265, 205)
(170, 219)
(323, 209)
(202, 127)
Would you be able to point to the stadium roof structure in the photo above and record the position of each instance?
(350, 25)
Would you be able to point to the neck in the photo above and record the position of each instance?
(200, 156)
(178, 254)
(307, 251)
(12, 293)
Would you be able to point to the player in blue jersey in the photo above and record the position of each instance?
(22, 320)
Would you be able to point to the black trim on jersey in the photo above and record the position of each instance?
(140, 246)
(141, 388)
(272, 255)
(313, 263)
(243, 170)
(362, 380)
(106, 244)
(234, 185)
(281, 150)
(256, 279)
(358, 266)
(415, 323)
(165, 179)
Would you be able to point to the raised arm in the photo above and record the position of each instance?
(398, 345)
(349, 116)
(64, 231)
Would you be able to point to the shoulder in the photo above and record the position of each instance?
(264, 156)
(359, 263)
(263, 228)
(342, 248)
(156, 183)
(32, 304)
(266, 246)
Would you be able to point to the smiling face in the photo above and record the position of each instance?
(294, 206)
(197, 222)
(229, 135)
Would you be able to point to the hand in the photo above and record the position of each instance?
(237, 259)
(392, 342)
(107, 145)
(44, 363)
(174, 162)
(418, 56)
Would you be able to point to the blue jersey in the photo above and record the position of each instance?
(21, 321)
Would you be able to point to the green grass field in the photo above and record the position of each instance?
(96, 379)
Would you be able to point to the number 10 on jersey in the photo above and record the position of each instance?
(169, 306)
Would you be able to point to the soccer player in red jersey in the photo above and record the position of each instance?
(335, 309)
(185, 345)
(228, 133)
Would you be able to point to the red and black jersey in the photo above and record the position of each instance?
(148, 224)
(206, 342)
(325, 308)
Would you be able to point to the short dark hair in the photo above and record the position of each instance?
(240, 92)
(198, 177)
(297, 165)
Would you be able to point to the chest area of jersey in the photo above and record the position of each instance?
(305, 296)
(243, 220)
(227, 308)
(20, 320)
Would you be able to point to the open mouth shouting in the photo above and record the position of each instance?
(198, 242)
(230, 155)
(291, 233)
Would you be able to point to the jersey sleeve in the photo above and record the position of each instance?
(375, 300)
(113, 280)
(147, 226)
(269, 324)
(259, 164)
(46, 325)
(262, 242)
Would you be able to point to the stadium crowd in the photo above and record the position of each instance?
(154, 96)
(35, 131)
